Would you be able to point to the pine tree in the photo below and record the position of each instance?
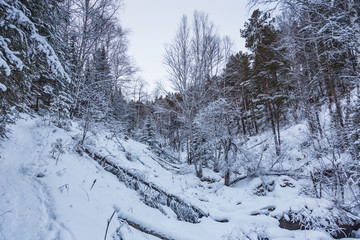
(203, 152)
(263, 40)
(60, 109)
(238, 89)
(149, 135)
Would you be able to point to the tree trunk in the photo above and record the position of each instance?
(199, 170)
(188, 153)
(318, 122)
(271, 115)
(145, 229)
(227, 178)
(216, 161)
(227, 146)
(333, 91)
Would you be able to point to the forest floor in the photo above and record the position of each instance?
(67, 196)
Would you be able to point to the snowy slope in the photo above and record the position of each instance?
(25, 204)
(42, 198)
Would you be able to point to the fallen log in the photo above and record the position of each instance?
(145, 229)
(182, 209)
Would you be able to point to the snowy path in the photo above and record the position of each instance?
(25, 211)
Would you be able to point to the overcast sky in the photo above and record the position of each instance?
(153, 24)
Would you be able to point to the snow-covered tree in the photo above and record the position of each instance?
(193, 61)
(217, 126)
(26, 59)
(262, 39)
(148, 133)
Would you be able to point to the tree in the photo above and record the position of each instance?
(166, 112)
(203, 151)
(193, 61)
(217, 128)
(26, 59)
(93, 26)
(149, 135)
(238, 89)
(263, 40)
(95, 105)
(60, 106)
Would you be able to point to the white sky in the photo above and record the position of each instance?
(153, 24)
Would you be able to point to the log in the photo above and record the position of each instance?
(145, 230)
(117, 170)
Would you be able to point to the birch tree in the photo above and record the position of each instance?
(193, 60)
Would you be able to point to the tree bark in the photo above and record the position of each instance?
(227, 146)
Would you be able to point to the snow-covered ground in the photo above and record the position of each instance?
(73, 198)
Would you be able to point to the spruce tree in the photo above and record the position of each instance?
(149, 135)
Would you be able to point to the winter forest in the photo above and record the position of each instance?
(257, 144)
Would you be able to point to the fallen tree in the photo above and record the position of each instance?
(152, 195)
(144, 229)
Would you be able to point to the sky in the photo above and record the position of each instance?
(153, 24)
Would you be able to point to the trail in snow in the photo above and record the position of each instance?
(25, 211)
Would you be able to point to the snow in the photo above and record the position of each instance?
(42, 199)
(4, 66)
(9, 57)
(25, 202)
(24, 26)
(3, 87)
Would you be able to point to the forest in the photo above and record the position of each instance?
(68, 60)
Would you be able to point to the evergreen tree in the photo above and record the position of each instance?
(203, 151)
(26, 59)
(149, 135)
(60, 106)
(268, 64)
(239, 91)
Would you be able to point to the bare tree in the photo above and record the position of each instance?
(193, 61)
(91, 21)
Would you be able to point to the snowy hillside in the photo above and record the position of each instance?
(70, 196)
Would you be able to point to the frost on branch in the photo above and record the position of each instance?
(24, 33)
